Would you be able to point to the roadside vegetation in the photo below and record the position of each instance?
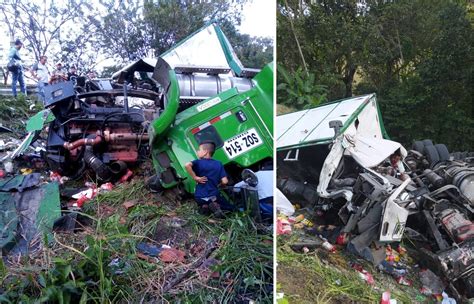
(415, 55)
(227, 261)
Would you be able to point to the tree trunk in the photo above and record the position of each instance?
(348, 80)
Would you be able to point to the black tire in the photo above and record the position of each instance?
(418, 146)
(442, 152)
(427, 142)
(456, 155)
(432, 155)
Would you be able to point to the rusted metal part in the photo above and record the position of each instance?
(83, 142)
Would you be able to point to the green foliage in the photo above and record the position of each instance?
(15, 112)
(299, 90)
(416, 55)
(82, 272)
(130, 31)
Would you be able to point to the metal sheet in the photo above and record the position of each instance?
(313, 125)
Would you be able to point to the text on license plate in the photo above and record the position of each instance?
(241, 143)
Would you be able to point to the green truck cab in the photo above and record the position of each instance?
(240, 124)
(232, 106)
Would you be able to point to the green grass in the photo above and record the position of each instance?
(76, 269)
(14, 112)
(309, 278)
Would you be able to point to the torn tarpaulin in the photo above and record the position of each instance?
(27, 213)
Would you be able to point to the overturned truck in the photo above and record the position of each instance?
(332, 157)
(197, 91)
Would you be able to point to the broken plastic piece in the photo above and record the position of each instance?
(364, 274)
(447, 299)
(127, 176)
(386, 298)
(283, 226)
(404, 281)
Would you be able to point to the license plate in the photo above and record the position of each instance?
(242, 143)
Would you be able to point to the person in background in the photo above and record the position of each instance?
(16, 68)
(59, 74)
(72, 75)
(264, 188)
(41, 73)
(91, 75)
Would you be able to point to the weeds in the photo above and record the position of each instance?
(100, 264)
(327, 282)
(14, 112)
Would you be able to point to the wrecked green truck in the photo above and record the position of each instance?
(197, 91)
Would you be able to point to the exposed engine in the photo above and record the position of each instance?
(98, 130)
(433, 209)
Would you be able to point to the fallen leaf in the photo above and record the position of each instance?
(123, 220)
(172, 255)
(129, 204)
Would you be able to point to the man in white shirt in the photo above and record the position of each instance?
(264, 188)
(41, 74)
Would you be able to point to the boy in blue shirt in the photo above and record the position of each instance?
(209, 174)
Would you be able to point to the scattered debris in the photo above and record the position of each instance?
(377, 193)
(28, 211)
(364, 274)
(386, 298)
(151, 250)
(93, 142)
(431, 283)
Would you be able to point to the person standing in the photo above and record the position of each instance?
(16, 68)
(72, 75)
(41, 74)
(59, 74)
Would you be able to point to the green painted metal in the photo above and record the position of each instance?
(232, 60)
(49, 209)
(43, 209)
(160, 126)
(37, 121)
(8, 220)
(180, 144)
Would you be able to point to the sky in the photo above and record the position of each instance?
(259, 18)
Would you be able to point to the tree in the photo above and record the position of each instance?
(171, 21)
(121, 33)
(299, 90)
(416, 55)
(41, 24)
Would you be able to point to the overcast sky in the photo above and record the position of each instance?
(259, 18)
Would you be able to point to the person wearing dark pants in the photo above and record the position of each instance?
(41, 73)
(16, 68)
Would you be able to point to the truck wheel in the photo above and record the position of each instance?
(432, 155)
(456, 155)
(418, 146)
(442, 152)
(427, 142)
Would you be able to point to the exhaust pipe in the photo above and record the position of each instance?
(101, 170)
